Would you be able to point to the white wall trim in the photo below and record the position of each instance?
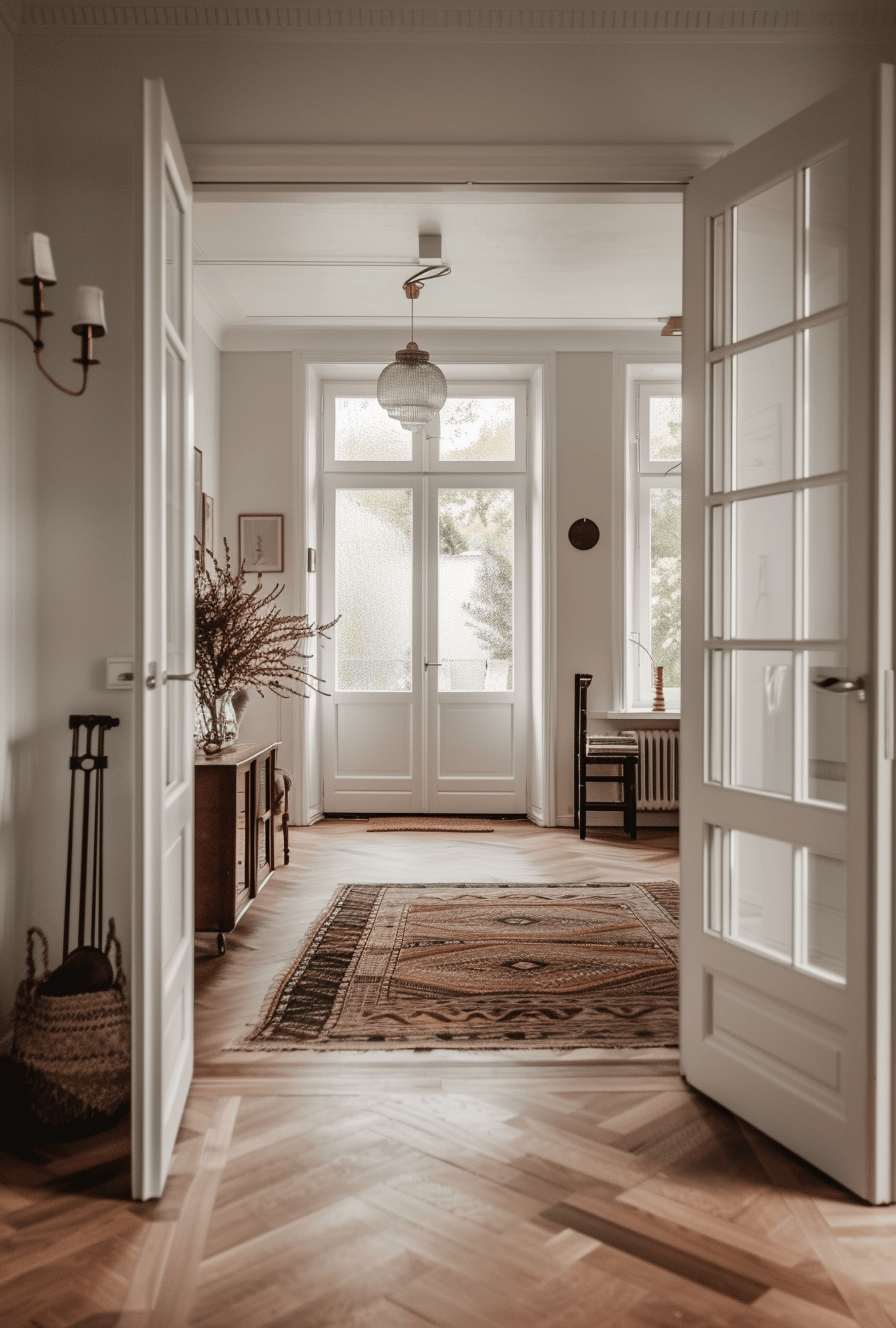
(712, 21)
(447, 164)
(208, 315)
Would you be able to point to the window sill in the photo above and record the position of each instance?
(635, 714)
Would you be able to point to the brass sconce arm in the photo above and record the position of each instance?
(89, 304)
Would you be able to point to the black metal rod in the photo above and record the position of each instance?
(85, 832)
(71, 837)
(99, 835)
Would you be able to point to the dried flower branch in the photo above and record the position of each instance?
(242, 640)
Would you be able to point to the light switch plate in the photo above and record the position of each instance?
(119, 674)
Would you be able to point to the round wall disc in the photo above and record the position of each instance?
(583, 534)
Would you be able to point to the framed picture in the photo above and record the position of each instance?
(261, 542)
(197, 496)
(208, 524)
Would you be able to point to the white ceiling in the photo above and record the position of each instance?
(584, 260)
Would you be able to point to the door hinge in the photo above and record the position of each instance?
(889, 718)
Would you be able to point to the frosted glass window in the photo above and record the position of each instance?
(764, 414)
(827, 717)
(826, 398)
(764, 266)
(764, 567)
(476, 590)
(364, 432)
(174, 224)
(175, 655)
(477, 429)
(826, 561)
(665, 582)
(826, 914)
(665, 428)
(762, 912)
(827, 231)
(763, 720)
(374, 587)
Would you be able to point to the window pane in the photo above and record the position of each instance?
(826, 730)
(827, 226)
(764, 423)
(364, 432)
(374, 586)
(826, 397)
(476, 590)
(665, 582)
(764, 567)
(762, 914)
(826, 914)
(174, 222)
(764, 276)
(477, 429)
(825, 592)
(665, 429)
(763, 720)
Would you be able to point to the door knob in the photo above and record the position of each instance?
(431, 664)
(856, 685)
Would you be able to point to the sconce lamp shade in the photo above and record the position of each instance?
(37, 260)
(89, 311)
(411, 390)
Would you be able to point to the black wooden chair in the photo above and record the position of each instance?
(585, 761)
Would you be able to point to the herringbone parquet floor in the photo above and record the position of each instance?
(402, 1190)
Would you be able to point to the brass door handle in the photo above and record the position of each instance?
(857, 685)
(179, 677)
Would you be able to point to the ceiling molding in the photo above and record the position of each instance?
(448, 164)
(520, 21)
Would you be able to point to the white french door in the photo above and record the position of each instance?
(163, 904)
(428, 667)
(787, 712)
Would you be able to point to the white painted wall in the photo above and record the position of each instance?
(207, 413)
(77, 131)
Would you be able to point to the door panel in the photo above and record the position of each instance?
(163, 913)
(786, 800)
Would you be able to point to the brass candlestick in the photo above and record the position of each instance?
(659, 701)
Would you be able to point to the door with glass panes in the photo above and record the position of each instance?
(425, 565)
(787, 724)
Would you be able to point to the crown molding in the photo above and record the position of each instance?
(409, 164)
(429, 20)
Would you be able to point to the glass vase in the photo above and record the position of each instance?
(215, 728)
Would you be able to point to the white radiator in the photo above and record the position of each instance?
(657, 779)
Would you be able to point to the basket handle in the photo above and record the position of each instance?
(112, 939)
(32, 932)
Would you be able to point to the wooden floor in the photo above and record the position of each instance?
(399, 1190)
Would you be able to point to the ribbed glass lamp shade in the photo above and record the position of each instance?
(411, 390)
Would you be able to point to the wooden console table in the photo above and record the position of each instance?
(235, 848)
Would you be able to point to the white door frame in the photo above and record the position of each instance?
(310, 370)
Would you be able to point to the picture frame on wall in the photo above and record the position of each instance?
(197, 497)
(208, 524)
(261, 542)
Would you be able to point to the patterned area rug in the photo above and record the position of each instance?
(482, 967)
(465, 825)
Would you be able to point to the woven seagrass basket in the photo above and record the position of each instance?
(74, 1051)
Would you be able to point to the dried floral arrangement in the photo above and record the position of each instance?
(242, 640)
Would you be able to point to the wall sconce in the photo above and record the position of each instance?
(38, 273)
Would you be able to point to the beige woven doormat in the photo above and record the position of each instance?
(464, 825)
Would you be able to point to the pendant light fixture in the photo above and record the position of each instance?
(410, 389)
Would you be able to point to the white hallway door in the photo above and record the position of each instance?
(428, 667)
(163, 903)
(788, 701)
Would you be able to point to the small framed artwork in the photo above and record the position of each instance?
(197, 496)
(261, 542)
(208, 524)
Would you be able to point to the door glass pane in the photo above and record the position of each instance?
(764, 270)
(762, 904)
(763, 720)
(364, 432)
(764, 567)
(827, 231)
(475, 590)
(827, 715)
(826, 914)
(477, 429)
(174, 222)
(374, 586)
(665, 428)
(717, 479)
(825, 561)
(764, 414)
(826, 397)
(175, 570)
(665, 582)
